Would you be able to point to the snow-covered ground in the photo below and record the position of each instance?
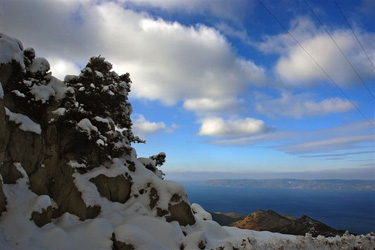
(135, 224)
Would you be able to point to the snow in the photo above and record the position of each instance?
(200, 213)
(99, 74)
(26, 124)
(39, 65)
(19, 94)
(11, 49)
(87, 126)
(20, 169)
(45, 92)
(147, 161)
(100, 142)
(100, 119)
(58, 86)
(59, 111)
(75, 164)
(42, 202)
(42, 92)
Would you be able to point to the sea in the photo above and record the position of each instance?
(341, 209)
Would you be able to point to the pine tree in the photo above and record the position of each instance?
(97, 106)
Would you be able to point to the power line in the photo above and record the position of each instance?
(328, 76)
(342, 13)
(343, 54)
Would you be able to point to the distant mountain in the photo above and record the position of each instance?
(305, 225)
(261, 220)
(331, 184)
(226, 219)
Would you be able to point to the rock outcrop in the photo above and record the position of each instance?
(262, 221)
(72, 140)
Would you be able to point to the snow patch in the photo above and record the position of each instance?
(20, 169)
(42, 92)
(200, 213)
(59, 111)
(87, 126)
(19, 94)
(75, 164)
(11, 49)
(26, 124)
(39, 65)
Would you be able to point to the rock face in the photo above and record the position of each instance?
(72, 140)
(262, 221)
(115, 189)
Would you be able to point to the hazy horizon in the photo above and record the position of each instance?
(341, 174)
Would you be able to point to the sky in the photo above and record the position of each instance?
(258, 88)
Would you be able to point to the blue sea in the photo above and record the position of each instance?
(341, 209)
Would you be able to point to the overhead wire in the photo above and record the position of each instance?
(338, 47)
(320, 67)
(347, 22)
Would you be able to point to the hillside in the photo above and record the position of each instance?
(70, 178)
(262, 221)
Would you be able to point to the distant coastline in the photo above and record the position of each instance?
(330, 184)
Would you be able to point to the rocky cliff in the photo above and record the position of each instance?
(69, 143)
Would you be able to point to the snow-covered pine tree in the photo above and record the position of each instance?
(96, 106)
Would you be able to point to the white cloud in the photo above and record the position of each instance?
(228, 10)
(300, 105)
(142, 127)
(326, 145)
(216, 126)
(296, 68)
(357, 135)
(208, 105)
(168, 62)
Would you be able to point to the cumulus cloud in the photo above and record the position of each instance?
(217, 126)
(168, 61)
(228, 10)
(300, 105)
(141, 126)
(208, 105)
(296, 68)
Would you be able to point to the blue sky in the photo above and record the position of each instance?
(221, 86)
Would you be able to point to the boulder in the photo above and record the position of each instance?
(118, 245)
(42, 218)
(181, 212)
(115, 189)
